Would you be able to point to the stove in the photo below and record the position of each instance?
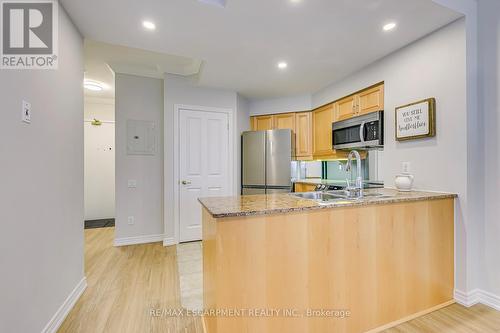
(337, 187)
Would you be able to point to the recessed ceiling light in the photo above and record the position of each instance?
(148, 25)
(295, 1)
(218, 3)
(282, 65)
(389, 26)
(93, 85)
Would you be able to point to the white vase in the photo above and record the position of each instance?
(404, 182)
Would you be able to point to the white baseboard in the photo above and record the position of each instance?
(477, 296)
(490, 300)
(169, 241)
(138, 240)
(66, 307)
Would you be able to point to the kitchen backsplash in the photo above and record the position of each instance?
(336, 170)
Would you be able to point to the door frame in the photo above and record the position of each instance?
(176, 176)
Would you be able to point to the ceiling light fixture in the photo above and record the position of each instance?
(218, 3)
(93, 85)
(282, 65)
(389, 26)
(148, 25)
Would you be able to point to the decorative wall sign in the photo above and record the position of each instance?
(416, 120)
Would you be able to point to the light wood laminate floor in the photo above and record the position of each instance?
(125, 283)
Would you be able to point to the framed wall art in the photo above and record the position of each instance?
(416, 120)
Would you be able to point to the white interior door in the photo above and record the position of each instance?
(203, 166)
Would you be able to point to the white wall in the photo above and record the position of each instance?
(431, 67)
(99, 158)
(138, 98)
(280, 105)
(434, 66)
(179, 90)
(41, 196)
(99, 108)
(242, 125)
(489, 59)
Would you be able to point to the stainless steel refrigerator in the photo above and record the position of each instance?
(266, 161)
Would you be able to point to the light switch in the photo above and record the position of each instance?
(132, 183)
(26, 112)
(131, 220)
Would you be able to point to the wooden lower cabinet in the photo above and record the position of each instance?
(303, 187)
(378, 265)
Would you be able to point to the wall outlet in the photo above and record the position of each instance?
(406, 167)
(132, 183)
(131, 220)
(26, 112)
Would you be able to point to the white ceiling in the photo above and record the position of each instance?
(102, 60)
(240, 45)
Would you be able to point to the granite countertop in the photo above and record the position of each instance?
(264, 204)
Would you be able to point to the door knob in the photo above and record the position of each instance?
(185, 182)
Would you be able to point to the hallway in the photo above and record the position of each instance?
(124, 285)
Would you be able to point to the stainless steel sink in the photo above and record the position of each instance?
(323, 196)
(335, 196)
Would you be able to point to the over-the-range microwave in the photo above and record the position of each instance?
(362, 132)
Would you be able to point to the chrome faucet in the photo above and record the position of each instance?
(355, 191)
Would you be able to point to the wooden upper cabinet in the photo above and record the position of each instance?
(262, 123)
(322, 130)
(303, 135)
(366, 101)
(284, 121)
(371, 100)
(313, 129)
(345, 108)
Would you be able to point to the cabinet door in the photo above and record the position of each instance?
(284, 121)
(371, 100)
(322, 130)
(252, 123)
(345, 108)
(303, 135)
(301, 187)
(263, 123)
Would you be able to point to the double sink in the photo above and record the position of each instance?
(337, 196)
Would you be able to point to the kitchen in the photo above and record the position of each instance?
(278, 166)
(358, 123)
(335, 243)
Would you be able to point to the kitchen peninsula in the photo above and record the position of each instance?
(341, 266)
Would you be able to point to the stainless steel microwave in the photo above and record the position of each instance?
(362, 132)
